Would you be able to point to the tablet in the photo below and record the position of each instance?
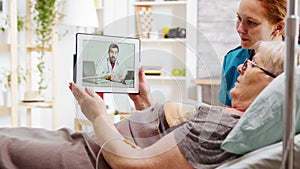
(107, 64)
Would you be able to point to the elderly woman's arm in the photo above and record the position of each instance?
(143, 99)
(119, 152)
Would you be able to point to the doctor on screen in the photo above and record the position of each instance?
(110, 68)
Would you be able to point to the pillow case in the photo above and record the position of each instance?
(268, 157)
(261, 124)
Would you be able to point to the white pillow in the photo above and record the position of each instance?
(261, 124)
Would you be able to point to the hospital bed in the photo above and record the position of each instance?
(265, 131)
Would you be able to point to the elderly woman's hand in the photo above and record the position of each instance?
(90, 103)
(142, 100)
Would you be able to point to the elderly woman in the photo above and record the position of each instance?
(182, 137)
(196, 142)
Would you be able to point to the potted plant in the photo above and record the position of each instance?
(113, 114)
(45, 16)
(3, 28)
(20, 23)
(116, 116)
(5, 81)
(3, 22)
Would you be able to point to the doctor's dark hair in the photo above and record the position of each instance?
(113, 45)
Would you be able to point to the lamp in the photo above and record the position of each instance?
(80, 13)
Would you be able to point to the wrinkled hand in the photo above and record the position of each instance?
(90, 103)
(142, 100)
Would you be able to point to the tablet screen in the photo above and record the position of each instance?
(107, 63)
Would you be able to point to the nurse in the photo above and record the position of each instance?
(256, 20)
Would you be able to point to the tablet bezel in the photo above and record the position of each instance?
(78, 61)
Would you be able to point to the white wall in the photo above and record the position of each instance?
(66, 104)
(217, 35)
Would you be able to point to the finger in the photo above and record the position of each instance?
(70, 86)
(141, 74)
(77, 92)
(89, 92)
